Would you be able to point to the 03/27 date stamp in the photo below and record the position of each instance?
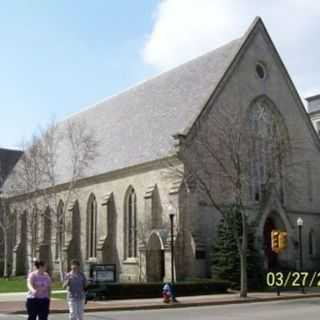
(293, 279)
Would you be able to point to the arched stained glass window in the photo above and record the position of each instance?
(92, 227)
(60, 239)
(34, 232)
(269, 149)
(130, 224)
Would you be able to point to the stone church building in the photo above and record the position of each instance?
(121, 215)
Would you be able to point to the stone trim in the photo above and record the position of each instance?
(131, 261)
(107, 198)
(175, 186)
(150, 190)
(108, 176)
(72, 205)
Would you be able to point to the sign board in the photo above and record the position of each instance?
(103, 272)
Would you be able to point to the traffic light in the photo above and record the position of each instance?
(283, 240)
(275, 241)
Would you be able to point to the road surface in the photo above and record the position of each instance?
(305, 309)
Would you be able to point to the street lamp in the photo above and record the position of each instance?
(171, 215)
(300, 224)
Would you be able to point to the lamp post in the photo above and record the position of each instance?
(300, 224)
(171, 215)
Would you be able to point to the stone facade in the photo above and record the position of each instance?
(121, 216)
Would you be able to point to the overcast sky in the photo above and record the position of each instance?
(58, 57)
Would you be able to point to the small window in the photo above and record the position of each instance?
(261, 71)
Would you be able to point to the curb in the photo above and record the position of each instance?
(182, 305)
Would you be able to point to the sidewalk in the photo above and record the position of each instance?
(59, 306)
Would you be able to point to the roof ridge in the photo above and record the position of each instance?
(242, 40)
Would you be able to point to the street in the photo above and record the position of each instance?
(308, 309)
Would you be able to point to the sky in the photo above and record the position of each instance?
(59, 57)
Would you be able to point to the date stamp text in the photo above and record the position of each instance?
(293, 279)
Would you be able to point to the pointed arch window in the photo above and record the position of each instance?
(34, 232)
(92, 227)
(131, 224)
(13, 227)
(46, 227)
(60, 228)
(269, 149)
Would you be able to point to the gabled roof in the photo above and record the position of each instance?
(8, 159)
(137, 125)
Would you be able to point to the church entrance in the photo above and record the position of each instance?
(155, 259)
(271, 259)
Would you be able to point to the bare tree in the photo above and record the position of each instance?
(4, 226)
(79, 145)
(7, 224)
(24, 183)
(237, 160)
(7, 218)
(50, 170)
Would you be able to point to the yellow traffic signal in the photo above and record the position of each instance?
(275, 241)
(283, 240)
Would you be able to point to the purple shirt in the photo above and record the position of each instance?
(42, 284)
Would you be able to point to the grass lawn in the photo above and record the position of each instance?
(19, 284)
(62, 296)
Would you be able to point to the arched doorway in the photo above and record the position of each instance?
(271, 261)
(155, 259)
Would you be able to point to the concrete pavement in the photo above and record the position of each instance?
(18, 296)
(308, 309)
(59, 306)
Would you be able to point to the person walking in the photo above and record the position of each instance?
(38, 297)
(76, 283)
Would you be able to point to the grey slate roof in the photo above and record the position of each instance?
(137, 125)
(8, 159)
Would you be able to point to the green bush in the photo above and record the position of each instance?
(226, 259)
(153, 290)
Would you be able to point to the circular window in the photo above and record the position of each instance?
(261, 71)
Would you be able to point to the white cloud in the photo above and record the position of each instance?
(184, 29)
